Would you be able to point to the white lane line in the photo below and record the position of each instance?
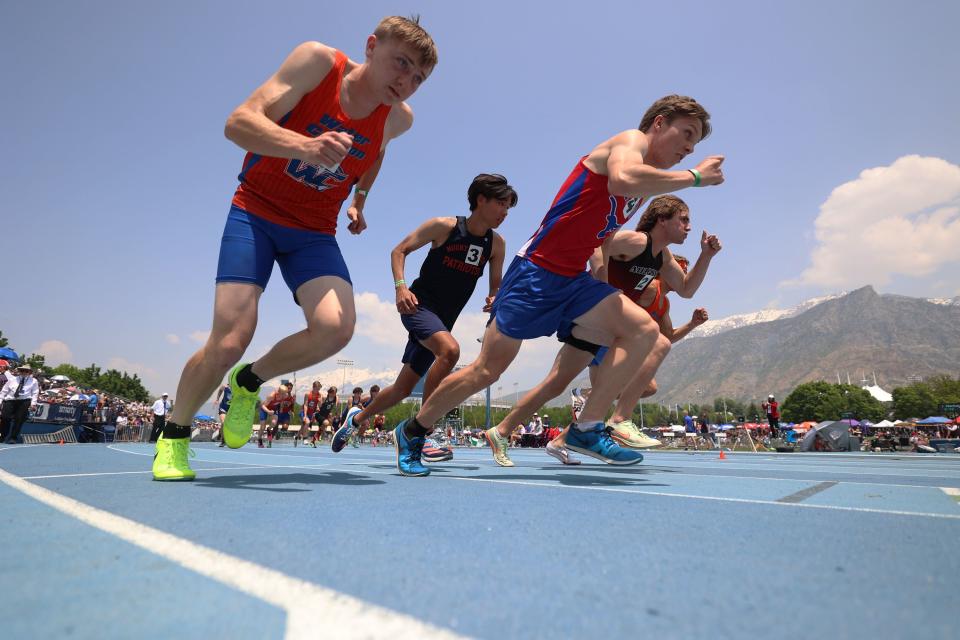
(713, 498)
(657, 493)
(312, 611)
(666, 494)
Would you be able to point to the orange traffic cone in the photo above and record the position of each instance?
(723, 456)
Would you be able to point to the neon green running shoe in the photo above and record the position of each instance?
(498, 446)
(172, 459)
(238, 424)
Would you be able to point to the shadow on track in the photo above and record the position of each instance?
(578, 479)
(272, 482)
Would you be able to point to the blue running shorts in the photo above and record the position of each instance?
(420, 324)
(250, 245)
(533, 302)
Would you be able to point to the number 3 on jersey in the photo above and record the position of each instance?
(473, 255)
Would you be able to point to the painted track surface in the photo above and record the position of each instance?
(681, 546)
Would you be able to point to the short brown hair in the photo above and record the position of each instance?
(409, 31)
(673, 106)
(492, 186)
(661, 208)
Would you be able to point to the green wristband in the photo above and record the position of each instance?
(362, 192)
(696, 177)
(399, 283)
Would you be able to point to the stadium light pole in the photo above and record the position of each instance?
(480, 340)
(345, 363)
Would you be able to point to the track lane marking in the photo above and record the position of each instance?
(319, 611)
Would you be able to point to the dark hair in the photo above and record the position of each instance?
(491, 186)
(661, 208)
(375, 387)
(672, 106)
(358, 389)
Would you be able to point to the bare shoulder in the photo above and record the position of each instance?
(311, 58)
(629, 141)
(438, 228)
(398, 122)
(628, 244)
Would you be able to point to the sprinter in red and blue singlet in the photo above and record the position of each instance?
(547, 286)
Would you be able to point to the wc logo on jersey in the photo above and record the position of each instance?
(315, 176)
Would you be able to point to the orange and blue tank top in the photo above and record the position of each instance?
(297, 194)
(582, 215)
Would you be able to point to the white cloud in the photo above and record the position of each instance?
(903, 219)
(55, 352)
(379, 321)
(173, 338)
(200, 336)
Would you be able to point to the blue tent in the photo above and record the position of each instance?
(935, 420)
(8, 354)
(201, 416)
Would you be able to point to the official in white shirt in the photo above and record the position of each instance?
(160, 410)
(17, 394)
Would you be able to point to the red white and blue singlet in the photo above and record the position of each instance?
(581, 216)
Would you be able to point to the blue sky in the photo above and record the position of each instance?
(838, 120)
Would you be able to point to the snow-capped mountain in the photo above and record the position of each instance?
(713, 327)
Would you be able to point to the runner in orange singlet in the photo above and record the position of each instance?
(314, 131)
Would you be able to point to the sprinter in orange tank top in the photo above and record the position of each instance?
(314, 131)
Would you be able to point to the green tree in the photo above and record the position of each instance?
(914, 401)
(118, 383)
(36, 361)
(822, 400)
(3, 341)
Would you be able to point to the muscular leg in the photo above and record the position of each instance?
(568, 363)
(640, 382)
(447, 352)
(234, 320)
(635, 333)
(327, 304)
(496, 354)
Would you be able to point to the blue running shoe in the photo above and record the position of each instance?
(409, 452)
(342, 436)
(598, 444)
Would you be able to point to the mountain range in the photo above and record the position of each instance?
(855, 334)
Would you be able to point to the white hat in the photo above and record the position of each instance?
(164, 394)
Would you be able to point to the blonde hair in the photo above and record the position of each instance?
(409, 32)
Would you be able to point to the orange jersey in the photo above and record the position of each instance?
(294, 193)
(660, 304)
